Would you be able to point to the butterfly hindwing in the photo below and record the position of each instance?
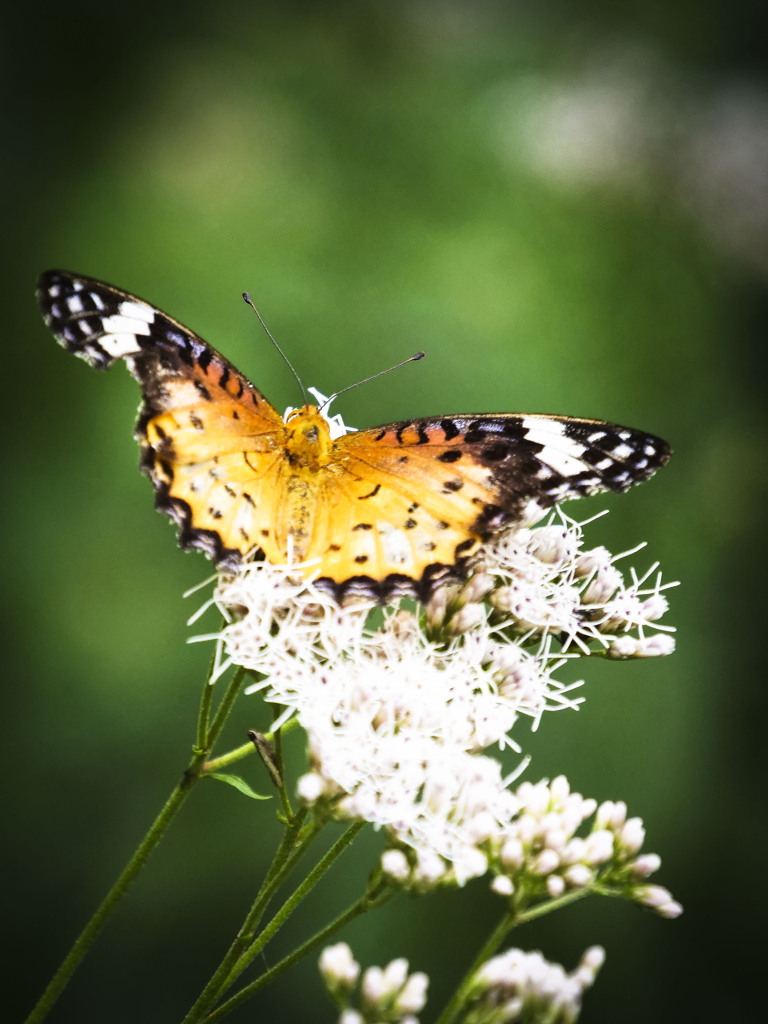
(382, 512)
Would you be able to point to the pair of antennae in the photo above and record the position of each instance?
(411, 359)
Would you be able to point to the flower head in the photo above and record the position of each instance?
(546, 850)
(401, 711)
(388, 995)
(520, 986)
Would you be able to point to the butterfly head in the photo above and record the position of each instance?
(308, 438)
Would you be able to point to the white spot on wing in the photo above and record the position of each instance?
(559, 492)
(75, 304)
(561, 461)
(118, 345)
(543, 425)
(549, 433)
(622, 452)
(395, 545)
(137, 310)
(123, 324)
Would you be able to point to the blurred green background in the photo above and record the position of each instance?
(567, 207)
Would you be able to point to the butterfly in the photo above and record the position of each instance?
(385, 512)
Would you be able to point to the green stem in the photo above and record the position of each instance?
(364, 904)
(244, 948)
(284, 798)
(156, 832)
(206, 701)
(246, 749)
(224, 708)
(513, 918)
(497, 936)
(225, 760)
(88, 935)
(540, 909)
(287, 853)
(293, 901)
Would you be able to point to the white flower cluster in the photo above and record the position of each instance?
(387, 996)
(545, 584)
(397, 716)
(540, 851)
(519, 986)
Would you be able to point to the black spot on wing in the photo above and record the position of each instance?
(451, 486)
(452, 455)
(420, 426)
(496, 451)
(204, 357)
(371, 494)
(449, 429)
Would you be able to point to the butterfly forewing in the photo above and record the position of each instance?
(392, 510)
(209, 438)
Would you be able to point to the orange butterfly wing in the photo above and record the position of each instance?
(416, 499)
(210, 442)
(382, 512)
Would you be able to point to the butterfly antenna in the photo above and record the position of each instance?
(410, 359)
(247, 298)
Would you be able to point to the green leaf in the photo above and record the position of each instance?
(240, 784)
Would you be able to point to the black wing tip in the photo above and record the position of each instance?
(50, 280)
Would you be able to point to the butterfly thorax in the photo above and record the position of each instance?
(308, 443)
